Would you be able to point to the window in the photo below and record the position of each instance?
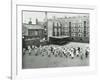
(36, 33)
(79, 30)
(73, 30)
(84, 23)
(55, 31)
(30, 32)
(79, 35)
(69, 24)
(70, 28)
(55, 24)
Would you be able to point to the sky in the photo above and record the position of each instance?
(33, 15)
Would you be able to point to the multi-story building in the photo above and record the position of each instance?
(77, 28)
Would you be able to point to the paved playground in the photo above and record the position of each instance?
(32, 61)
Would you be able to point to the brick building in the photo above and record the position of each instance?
(32, 33)
(77, 28)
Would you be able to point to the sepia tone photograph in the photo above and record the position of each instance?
(55, 39)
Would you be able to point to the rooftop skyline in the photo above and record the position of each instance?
(41, 16)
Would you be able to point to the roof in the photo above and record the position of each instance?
(59, 37)
(33, 26)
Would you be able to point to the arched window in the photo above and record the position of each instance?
(55, 31)
(79, 30)
(79, 35)
(56, 24)
(59, 31)
(59, 24)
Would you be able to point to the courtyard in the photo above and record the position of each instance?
(33, 61)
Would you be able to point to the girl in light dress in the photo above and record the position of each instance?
(29, 50)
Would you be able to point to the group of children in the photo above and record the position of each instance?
(57, 51)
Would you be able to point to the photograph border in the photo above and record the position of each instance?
(17, 37)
